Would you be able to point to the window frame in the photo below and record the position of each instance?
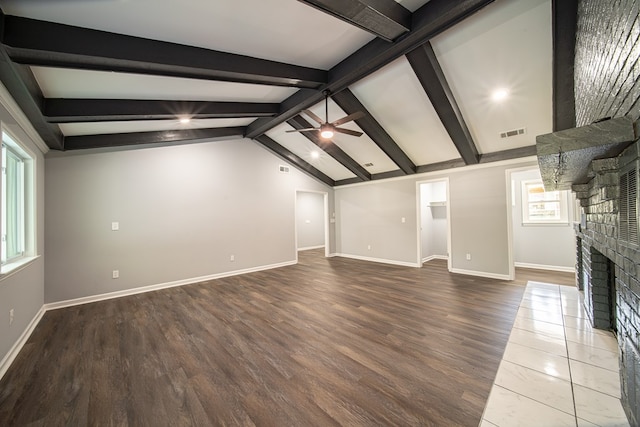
(27, 209)
(562, 199)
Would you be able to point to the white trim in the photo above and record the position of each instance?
(481, 274)
(17, 346)
(11, 268)
(533, 160)
(432, 257)
(545, 267)
(15, 111)
(310, 247)
(380, 260)
(144, 289)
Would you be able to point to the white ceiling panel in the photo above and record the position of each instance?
(506, 45)
(303, 148)
(279, 30)
(362, 149)
(66, 83)
(395, 98)
(100, 128)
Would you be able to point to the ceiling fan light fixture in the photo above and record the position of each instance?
(326, 131)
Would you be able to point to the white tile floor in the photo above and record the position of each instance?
(556, 370)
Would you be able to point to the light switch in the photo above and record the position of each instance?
(115, 226)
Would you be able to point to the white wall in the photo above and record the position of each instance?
(182, 210)
(370, 214)
(310, 220)
(541, 246)
(22, 291)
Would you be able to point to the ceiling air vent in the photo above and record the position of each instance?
(514, 132)
(368, 165)
(284, 169)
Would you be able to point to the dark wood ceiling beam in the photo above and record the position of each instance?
(350, 104)
(295, 160)
(564, 24)
(386, 19)
(146, 138)
(426, 67)
(513, 153)
(330, 148)
(64, 110)
(426, 22)
(34, 42)
(24, 89)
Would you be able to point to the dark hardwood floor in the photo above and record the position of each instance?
(325, 342)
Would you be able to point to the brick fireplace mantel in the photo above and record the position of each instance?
(608, 266)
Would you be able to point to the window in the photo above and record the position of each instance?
(543, 207)
(17, 225)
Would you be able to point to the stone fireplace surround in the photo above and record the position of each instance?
(605, 260)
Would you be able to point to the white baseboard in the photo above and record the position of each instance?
(481, 274)
(310, 247)
(17, 346)
(143, 289)
(545, 267)
(432, 257)
(380, 260)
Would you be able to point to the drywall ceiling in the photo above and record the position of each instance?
(82, 71)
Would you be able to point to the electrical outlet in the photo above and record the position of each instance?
(232, 258)
(115, 274)
(468, 257)
(115, 226)
(369, 247)
(11, 315)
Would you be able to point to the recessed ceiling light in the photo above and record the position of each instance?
(500, 94)
(315, 155)
(185, 120)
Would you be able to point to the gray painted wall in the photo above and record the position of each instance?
(544, 245)
(24, 290)
(310, 221)
(370, 214)
(182, 211)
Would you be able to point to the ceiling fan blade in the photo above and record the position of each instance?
(313, 116)
(355, 116)
(301, 130)
(348, 132)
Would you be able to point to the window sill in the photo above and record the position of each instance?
(11, 268)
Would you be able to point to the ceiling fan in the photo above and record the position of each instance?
(328, 129)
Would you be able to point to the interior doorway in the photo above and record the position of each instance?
(312, 216)
(434, 224)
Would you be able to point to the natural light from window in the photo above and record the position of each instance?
(543, 207)
(17, 209)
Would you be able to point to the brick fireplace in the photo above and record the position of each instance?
(608, 262)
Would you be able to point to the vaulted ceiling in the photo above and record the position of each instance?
(111, 73)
